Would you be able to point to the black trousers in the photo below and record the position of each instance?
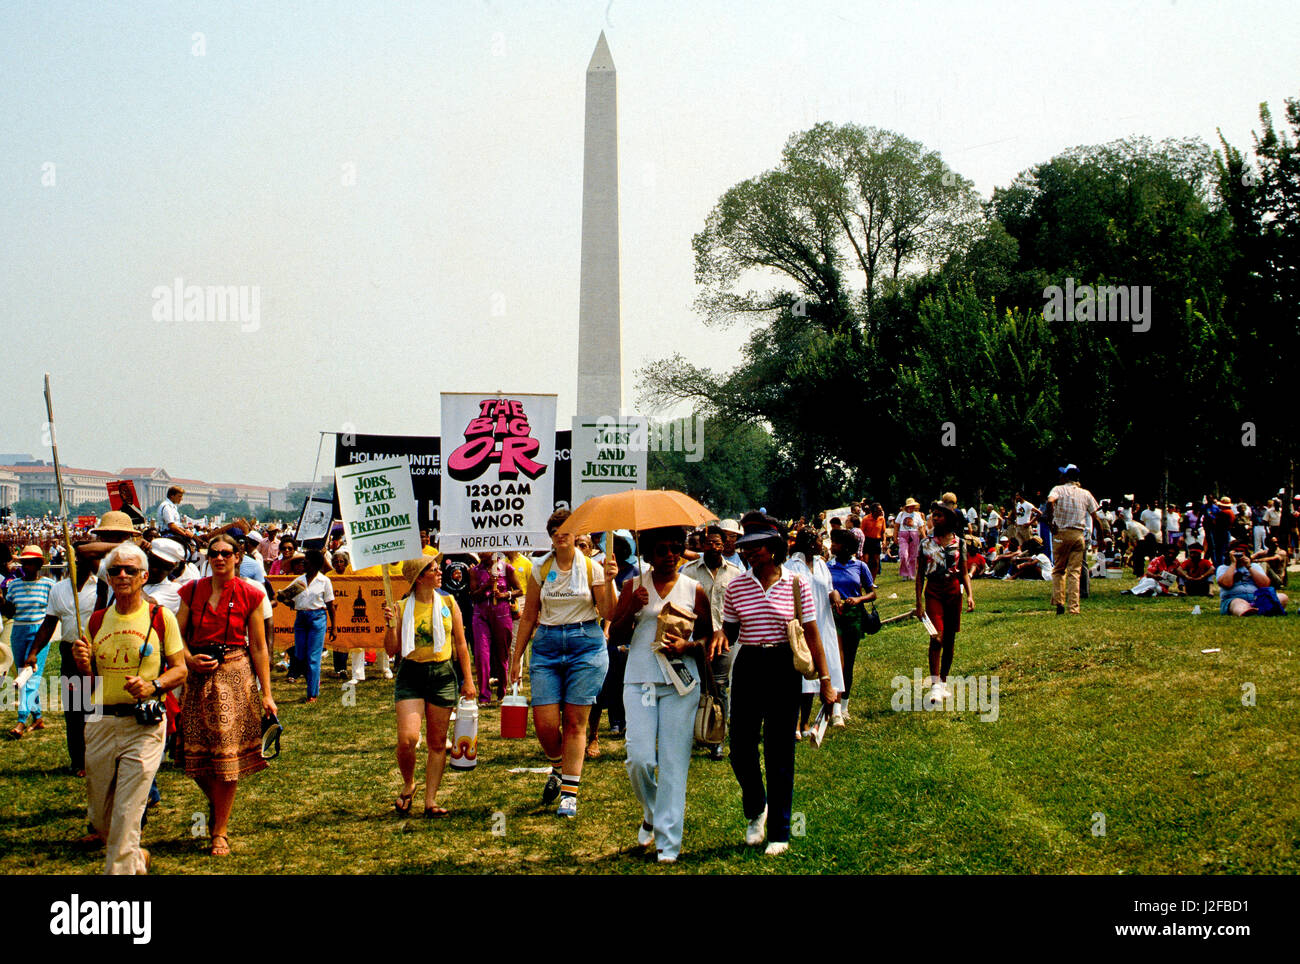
(765, 690)
(74, 719)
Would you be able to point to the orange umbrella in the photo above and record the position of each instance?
(636, 509)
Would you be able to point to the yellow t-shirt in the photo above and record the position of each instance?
(425, 651)
(523, 567)
(116, 651)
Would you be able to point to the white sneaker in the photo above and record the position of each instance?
(388, 674)
(665, 859)
(799, 734)
(845, 703)
(757, 829)
(775, 849)
(837, 715)
(644, 837)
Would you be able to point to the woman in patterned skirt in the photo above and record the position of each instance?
(225, 643)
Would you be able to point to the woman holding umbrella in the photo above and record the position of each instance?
(661, 688)
(567, 597)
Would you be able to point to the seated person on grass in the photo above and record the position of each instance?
(1007, 556)
(1274, 559)
(1240, 581)
(1032, 563)
(1161, 576)
(1195, 573)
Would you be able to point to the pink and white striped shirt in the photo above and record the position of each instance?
(763, 614)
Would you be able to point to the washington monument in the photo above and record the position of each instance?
(600, 342)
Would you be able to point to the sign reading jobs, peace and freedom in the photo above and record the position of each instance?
(378, 509)
(498, 486)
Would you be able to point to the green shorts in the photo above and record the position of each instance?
(432, 682)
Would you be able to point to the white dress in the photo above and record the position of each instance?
(820, 579)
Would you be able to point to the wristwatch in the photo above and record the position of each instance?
(157, 689)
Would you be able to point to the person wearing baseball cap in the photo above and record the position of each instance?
(164, 556)
(24, 601)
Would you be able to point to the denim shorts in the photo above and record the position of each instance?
(568, 664)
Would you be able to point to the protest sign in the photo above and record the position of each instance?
(314, 523)
(609, 455)
(500, 471)
(378, 511)
(424, 452)
(358, 611)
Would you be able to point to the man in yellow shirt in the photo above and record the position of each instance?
(125, 648)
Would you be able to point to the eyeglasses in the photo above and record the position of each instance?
(123, 570)
(219, 553)
(668, 548)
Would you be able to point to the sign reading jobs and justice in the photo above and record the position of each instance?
(378, 509)
(498, 482)
(609, 455)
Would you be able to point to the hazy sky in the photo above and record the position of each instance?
(451, 262)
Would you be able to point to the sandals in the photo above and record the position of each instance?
(403, 804)
(38, 725)
(220, 849)
(17, 732)
(434, 813)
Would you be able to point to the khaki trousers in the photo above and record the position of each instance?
(1067, 557)
(122, 757)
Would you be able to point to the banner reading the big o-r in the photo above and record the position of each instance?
(498, 473)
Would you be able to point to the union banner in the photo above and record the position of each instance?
(358, 611)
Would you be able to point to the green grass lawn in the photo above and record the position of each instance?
(1116, 712)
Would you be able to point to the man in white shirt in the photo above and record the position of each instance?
(60, 612)
(164, 556)
(169, 516)
(1152, 518)
(713, 572)
(1026, 513)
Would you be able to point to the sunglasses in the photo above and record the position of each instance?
(219, 553)
(668, 548)
(123, 570)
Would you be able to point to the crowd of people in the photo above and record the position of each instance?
(176, 635)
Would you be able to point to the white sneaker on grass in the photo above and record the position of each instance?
(775, 849)
(757, 829)
(645, 834)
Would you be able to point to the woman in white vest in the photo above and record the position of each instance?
(807, 564)
(661, 688)
(427, 629)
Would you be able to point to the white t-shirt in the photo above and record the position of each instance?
(994, 519)
(165, 594)
(1044, 565)
(167, 514)
(566, 594)
(316, 594)
(901, 520)
(1151, 519)
(1024, 512)
(60, 606)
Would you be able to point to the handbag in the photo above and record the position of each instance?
(871, 621)
(680, 622)
(710, 715)
(803, 660)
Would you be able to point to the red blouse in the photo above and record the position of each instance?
(228, 623)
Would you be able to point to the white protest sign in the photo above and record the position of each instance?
(378, 509)
(609, 455)
(498, 472)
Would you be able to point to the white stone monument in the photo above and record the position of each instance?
(600, 342)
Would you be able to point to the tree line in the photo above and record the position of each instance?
(1133, 307)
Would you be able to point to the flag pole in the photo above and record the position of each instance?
(63, 508)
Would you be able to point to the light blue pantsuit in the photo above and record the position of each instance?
(660, 733)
